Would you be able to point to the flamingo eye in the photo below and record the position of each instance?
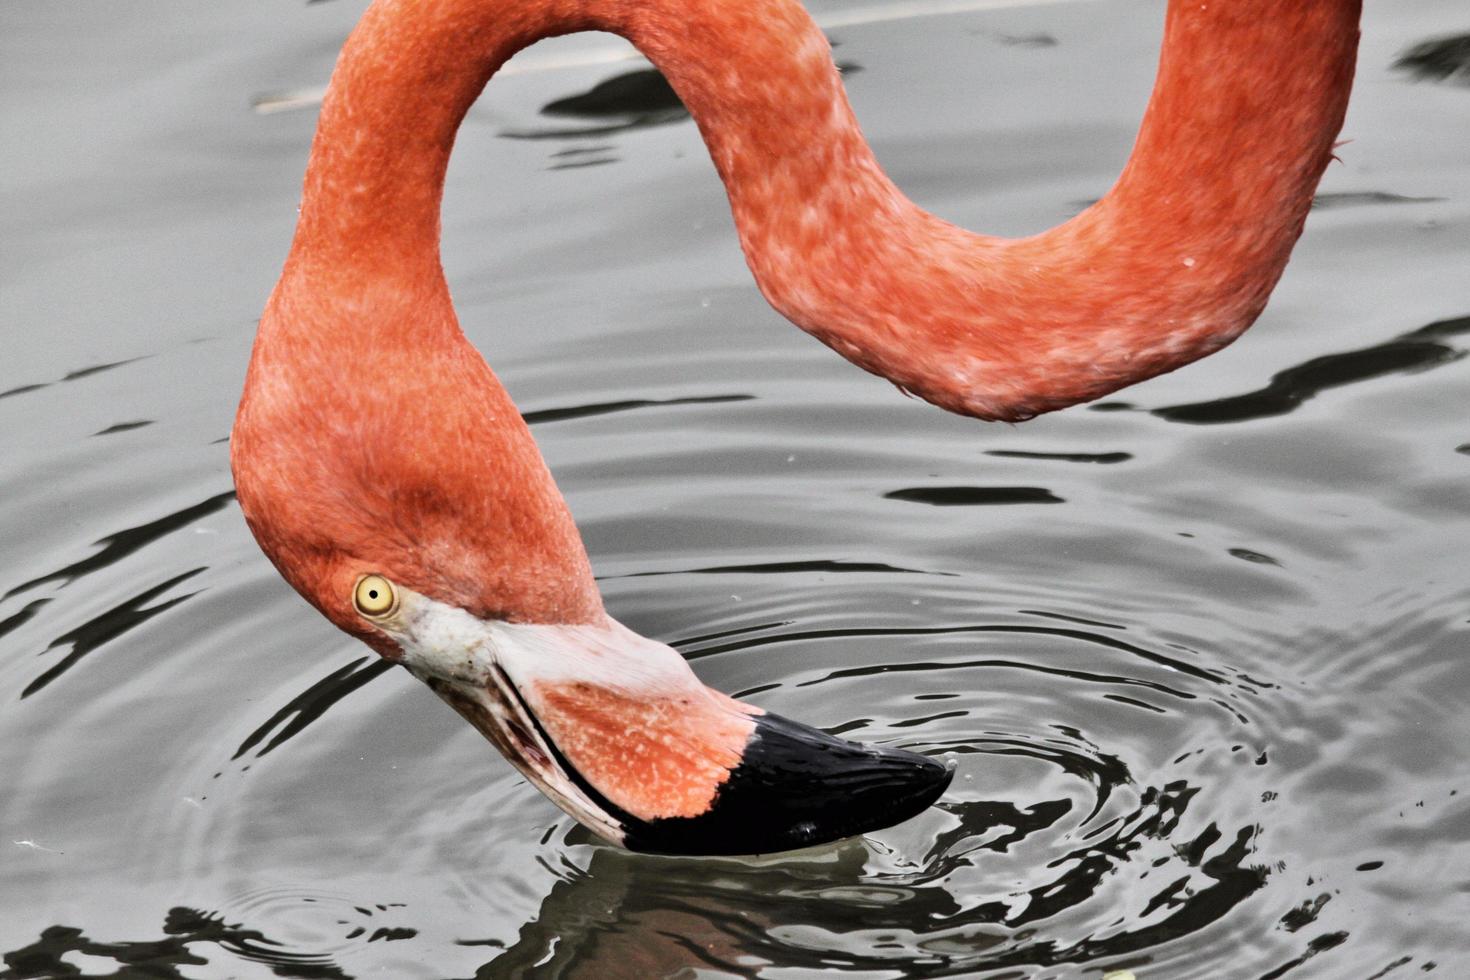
(375, 597)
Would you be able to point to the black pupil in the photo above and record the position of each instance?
(372, 593)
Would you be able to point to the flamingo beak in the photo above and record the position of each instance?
(796, 786)
(619, 733)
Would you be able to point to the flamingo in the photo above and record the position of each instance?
(386, 473)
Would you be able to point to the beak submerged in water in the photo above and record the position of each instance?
(796, 786)
(618, 731)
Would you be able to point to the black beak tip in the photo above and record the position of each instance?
(894, 786)
(799, 787)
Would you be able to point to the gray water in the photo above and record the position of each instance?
(1202, 652)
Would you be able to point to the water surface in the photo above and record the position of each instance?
(1200, 652)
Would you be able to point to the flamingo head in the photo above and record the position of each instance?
(401, 494)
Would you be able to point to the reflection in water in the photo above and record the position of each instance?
(1353, 199)
(642, 92)
(118, 545)
(1089, 637)
(186, 930)
(1175, 755)
(123, 427)
(576, 157)
(1417, 350)
(1062, 845)
(108, 626)
(633, 915)
(1038, 40)
(1441, 59)
(632, 100)
(1256, 557)
(974, 496)
(76, 375)
(1115, 457)
(312, 703)
(25, 615)
(821, 566)
(627, 405)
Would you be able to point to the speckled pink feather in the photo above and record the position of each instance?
(372, 435)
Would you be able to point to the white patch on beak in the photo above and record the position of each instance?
(470, 663)
(618, 732)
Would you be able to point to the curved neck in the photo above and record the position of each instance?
(756, 75)
(1171, 264)
(359, 344)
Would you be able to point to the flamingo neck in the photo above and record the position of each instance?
(757, 76)
(1173, 263)
(370, 426)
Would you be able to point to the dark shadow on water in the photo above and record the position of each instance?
(312, 703)
(574, 152)
(1305, 914)
(109, 626)
(119, 545)
(1417, 350)
(164, 958)
(583, 162)
(607, 408)
(589, 132)
(1087, 636)
(628, 915)
(24, 388)
(633, 93)
(785, 568)
(1105, 773)
(1439, 59)
(1353, 199)
(87, 372)
(1105, 458)
(123, 427)
(1079, 620)
(976, 821)
(1254, 557)
(14, 622)
(76, 375)
(1091, 677)
(725, 634)
(974, 496)
(632, 100)
(1318, 944)
(1038, 40)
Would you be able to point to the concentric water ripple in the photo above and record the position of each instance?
(1198, 654)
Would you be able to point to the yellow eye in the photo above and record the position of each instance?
(375, 596)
